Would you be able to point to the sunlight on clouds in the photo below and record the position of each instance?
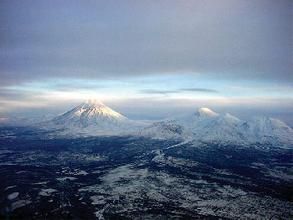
(182, 89)
(74, 96)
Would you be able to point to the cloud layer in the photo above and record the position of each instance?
(147, 53)
(241, 40)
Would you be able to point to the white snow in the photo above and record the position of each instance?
(47, 192)
(13, 195)
(81, 172)
(66, 178)
(98, 200)
(40, 183)
(93, 118)
(206, 112)
(19, 204)
(127, 184)
(206, 125)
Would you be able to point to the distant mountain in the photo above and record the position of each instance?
(90, 113)
(93, 117)
(204, 125)
(208, 126)
(14, 120)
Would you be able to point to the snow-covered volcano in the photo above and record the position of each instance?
(90, 113)
(93, 117)
(208, 126)
(205, 125)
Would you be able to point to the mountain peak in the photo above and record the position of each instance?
(95, 108)
(206, 112)
(94, 102)
(91, 113)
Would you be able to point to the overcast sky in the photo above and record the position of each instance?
(138, 56)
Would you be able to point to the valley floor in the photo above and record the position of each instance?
(139, 178)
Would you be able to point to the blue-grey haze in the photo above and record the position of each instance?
(167, 56)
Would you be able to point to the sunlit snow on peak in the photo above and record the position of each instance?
(206, 112)
(95, 108)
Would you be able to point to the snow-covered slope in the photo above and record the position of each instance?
(94, 118)
(269, 130)
(88, 114)
(163, 130)
(208, 126)
(205, 125)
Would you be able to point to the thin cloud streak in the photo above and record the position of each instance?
(204, 90)
(155, 91)
(182, 90)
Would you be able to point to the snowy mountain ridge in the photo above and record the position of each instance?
(208, 126)
(95, 118)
